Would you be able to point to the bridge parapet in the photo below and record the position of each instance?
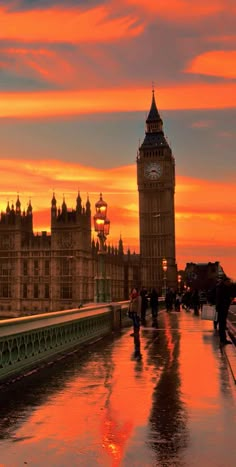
(27, 341)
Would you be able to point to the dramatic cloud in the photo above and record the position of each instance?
(66, 25)
(44, 64)
(61, 103)
(215, 63)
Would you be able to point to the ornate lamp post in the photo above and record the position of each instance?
(164, 268)
(179, 281)
(102, 227)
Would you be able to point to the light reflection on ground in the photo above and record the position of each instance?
(175, 407)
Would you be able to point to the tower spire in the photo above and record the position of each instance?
(153, 115)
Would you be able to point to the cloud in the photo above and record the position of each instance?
(67, 25)
(202, 124)
(206, 222)
(191, 193)
(205, 210)
(37, 181)
(43, 177)
(226, 38)
(43, 63)
(62, 103)
(176, 10)
(214, 63)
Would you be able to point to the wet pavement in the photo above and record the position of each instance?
(101, 407)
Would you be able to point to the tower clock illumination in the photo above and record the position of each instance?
(155, 163)
(153, 171)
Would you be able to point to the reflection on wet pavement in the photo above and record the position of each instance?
(102, 407)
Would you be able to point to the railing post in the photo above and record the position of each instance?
(116, 316)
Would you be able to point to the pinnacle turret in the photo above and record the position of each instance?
(64, 206)
(29, 209)
(18, 205)
(54, 201)
(79, 203)
(88, 206)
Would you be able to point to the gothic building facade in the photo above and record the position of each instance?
(48, 272)
(56, 271)
(156, 187)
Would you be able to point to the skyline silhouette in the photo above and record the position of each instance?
(75, 87)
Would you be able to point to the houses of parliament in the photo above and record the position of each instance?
(48, 272)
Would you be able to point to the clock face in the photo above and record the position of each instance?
(153, 170)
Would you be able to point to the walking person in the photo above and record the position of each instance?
(211, 299)
(223, 300)
(177, 301)
(169, 299)
(154, 305)
(195, 301)
(202, 298)
(186, 300)
(144, 304)
(135, 315)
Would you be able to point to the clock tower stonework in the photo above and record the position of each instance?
(156, 186)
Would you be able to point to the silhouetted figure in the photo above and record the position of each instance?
(134, 314)
(211, 298)
(223, 300)
(202, 298)
(177, 301)
(186, 300)
(195, 301)
(169, 300)
(154, 305)
(144, 304)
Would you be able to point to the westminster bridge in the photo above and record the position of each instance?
(95, 405)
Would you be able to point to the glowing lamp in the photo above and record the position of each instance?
(106, 227)
(164, 264)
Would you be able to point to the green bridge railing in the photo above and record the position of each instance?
(26, 341)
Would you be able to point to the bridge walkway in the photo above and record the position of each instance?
(101, 407)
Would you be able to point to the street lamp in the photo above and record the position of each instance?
(179, 281)
(102, 227)
(164, 268)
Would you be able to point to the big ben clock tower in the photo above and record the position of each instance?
(156, 186)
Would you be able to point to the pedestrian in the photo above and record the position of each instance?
(195, 299)
(186, 300)
(154, 305)
(177, 301)
(223, 300)
(169, 299)
(144, 304)
(202, 298)
(211, 299)
(135, 315)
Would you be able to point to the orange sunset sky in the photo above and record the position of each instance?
(75, 88)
